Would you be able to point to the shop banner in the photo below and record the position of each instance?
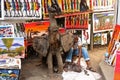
(12, 48)
(77, 21)
(6, 31)
(103, 21)
(9, 74)
(22, 9)
(10, 63)
(117, 67)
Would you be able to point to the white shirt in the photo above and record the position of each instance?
(79, 43)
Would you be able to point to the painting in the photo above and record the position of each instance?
(10, 63)
(103, 21)
(33, 29)
(6, 31)
(22, 9)
(9, 74)
(12, 48)
(97, 38)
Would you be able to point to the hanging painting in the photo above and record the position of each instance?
(12, 48)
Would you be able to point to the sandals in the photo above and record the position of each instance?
(91, 69)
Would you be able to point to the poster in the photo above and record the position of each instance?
(103, 21)
(1, 10)
(6, 31)
(12, 48)
(22, 9)
(9, 74)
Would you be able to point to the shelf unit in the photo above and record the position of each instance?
(102, 14)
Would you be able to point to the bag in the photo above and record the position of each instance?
(76, 68)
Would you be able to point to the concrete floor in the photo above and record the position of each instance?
(30, 71)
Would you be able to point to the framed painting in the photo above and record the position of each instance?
(103, 21)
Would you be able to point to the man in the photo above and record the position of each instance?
(78, 50)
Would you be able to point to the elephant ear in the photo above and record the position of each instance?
(41, 45)
(66, 41)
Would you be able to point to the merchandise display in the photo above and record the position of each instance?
(67, 6)
(103, 17)
(20, 38)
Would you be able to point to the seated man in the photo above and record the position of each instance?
(78, 50)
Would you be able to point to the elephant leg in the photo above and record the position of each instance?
(50, 61)
(60, 62)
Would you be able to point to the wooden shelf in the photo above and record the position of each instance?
(99, 31)
(69, 14)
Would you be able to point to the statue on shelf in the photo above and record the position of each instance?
(83, 5)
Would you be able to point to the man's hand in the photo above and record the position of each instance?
(78, 62)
